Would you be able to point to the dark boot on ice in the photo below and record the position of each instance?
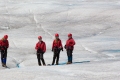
(69, 63)
(57, 63)
(39, 64)
(44, 64)
(4, 65)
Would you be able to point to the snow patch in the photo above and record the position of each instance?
(4, 28)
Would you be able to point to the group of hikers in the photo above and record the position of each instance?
(41, 49)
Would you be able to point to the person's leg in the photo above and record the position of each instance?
(43, 61)
(4, 62)
(57, 60)
(71, 58)
(5, 57)
(2, 52)
(69, 54)
(42, 58)
(54, 57)
(53, 60)
(38, 57)
(39, 62)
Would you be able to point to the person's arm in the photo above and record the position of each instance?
(7, 44)
(0, 45)
(44, 48)
(61, 45)
(65, 45)
(36, 47)
(52, 45)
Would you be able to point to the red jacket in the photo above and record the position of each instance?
(70, 43)
(4, 43)
(41, 45)
(57, 43)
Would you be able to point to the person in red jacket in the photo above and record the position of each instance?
(4, 44)
(41, 49)
(56, 48)
(69, 47)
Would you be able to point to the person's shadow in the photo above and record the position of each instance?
(75, 62)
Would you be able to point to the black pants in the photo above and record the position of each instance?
(69, 54)
(56, 56)
(40, 58)
(4, 56)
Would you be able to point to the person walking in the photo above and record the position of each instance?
(4, 44)
(41, 49)
(69, 46)
(56, 48)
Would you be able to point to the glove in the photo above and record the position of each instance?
(43, 52)
(39, 50)
(65, 46)
(52, 50)
(62, 49)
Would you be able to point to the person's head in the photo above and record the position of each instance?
(69, 35)
(40, 38)
(57, 36)
(5, 37)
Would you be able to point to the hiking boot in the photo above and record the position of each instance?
(44, 64)
(52, 63)
(69, 63)
(57, 64)
(39, 64)
(4, 65)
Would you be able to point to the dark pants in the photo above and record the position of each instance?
(40, 58)
(4, 56)
(56, 56)
(69, 54)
